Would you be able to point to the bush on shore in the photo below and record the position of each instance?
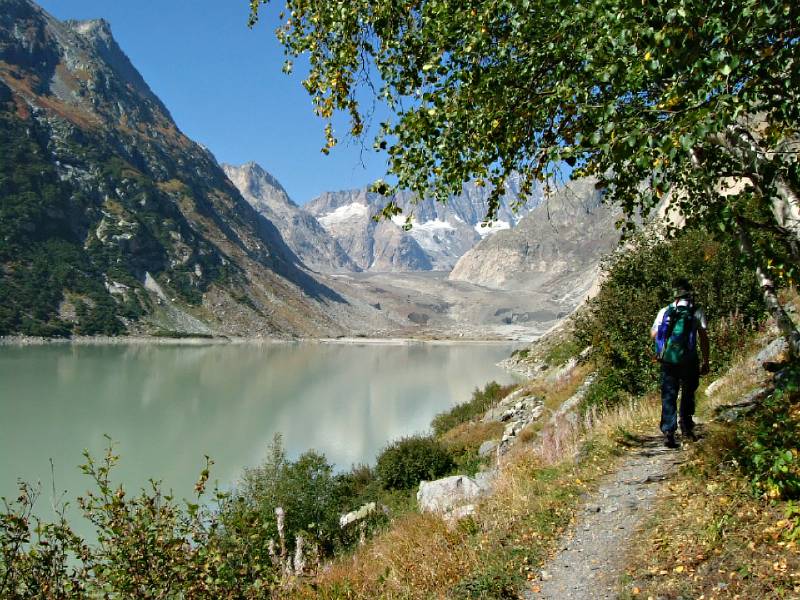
(406, 462)
(481, 401)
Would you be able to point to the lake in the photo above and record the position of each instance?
(167, 406)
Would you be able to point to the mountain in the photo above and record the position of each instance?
(301, 231)
(556, 247)
(111, 219)
(440, 233)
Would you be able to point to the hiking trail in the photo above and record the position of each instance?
(591, 555)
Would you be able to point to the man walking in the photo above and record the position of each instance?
(675, 331)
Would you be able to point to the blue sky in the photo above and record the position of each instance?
(223, 84)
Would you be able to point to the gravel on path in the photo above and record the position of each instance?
(592, 555)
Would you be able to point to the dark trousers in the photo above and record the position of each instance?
(674, 378)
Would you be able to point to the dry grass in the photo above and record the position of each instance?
(472, 434)
(702, 531)
(743, 376)
(511, 535)
(420, 557)
(709, 536)
(555, 393)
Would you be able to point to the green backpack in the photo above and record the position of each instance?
(676, 339)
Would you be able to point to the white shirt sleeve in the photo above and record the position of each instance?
(700, 317)
(657, 322)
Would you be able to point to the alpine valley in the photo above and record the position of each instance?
(113, 222)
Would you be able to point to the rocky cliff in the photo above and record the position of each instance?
(111, 219)
(556, 247)
(301, 231)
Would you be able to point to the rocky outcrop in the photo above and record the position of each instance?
(556, 247)
(369, 509)
(449, 494)
(301, 231)
(517, 410)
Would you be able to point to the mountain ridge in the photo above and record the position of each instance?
(301, 231)
(101, 175)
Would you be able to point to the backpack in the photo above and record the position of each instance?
(676, 342)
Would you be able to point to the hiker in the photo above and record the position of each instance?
(675, 331)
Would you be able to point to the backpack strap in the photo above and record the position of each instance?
(670, 324)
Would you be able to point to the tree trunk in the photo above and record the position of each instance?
(783, 198)
(785, 324)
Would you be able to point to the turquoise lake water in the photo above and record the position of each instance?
(166, 407)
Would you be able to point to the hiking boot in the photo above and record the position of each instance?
(687, 430)
(669, 439)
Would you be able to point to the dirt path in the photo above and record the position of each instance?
(591, 556)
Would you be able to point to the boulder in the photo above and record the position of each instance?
(487, 447)
(729, 413)
(443, 495)
(771, 352)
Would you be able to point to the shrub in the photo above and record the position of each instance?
(306, 489)
(638, 284)
(561, 352)
(357, 487)
(406, 462)
(493, 581)
(482, 400)
(149, 545)
(767, 444)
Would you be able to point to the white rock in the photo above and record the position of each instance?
(443, 495)
(772, 351)
(487, 447)
(151, 285)
(713, 387)
(460, 512)
(357, 515)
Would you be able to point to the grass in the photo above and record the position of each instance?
(562, 351)
(481, 401)
(710, 537)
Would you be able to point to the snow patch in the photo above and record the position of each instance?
(435, 225)
(348, 212)
(427, 226)
(400, 220)
(491, 227)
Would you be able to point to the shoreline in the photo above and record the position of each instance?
(24, 341)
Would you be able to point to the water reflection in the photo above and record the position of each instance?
(168, 406)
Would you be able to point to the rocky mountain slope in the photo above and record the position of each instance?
(111, 219)
(556, 247)
(440, 235)
(301, 231)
